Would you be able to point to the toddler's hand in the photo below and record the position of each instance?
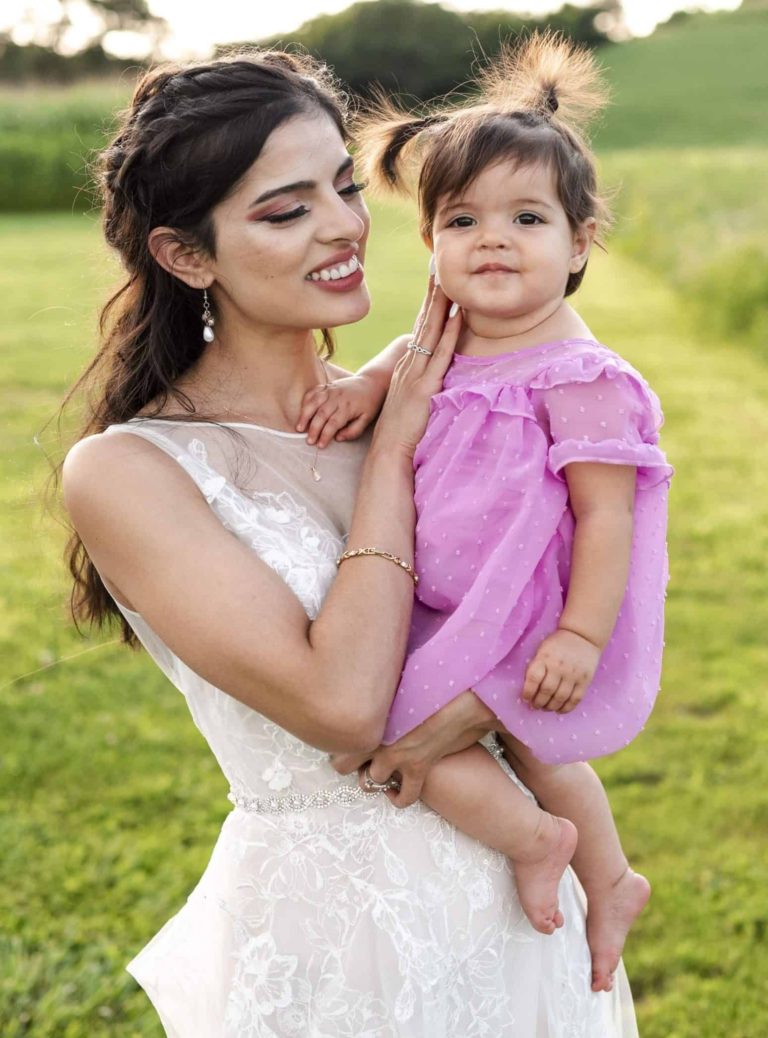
(559, 674)
(344, 409)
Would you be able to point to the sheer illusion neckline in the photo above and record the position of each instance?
(245, 425)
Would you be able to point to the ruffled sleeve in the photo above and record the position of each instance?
(597, 408)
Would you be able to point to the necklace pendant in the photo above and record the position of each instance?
(315, 474)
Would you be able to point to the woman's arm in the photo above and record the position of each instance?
(228, 615)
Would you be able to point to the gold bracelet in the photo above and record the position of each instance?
(358, 552)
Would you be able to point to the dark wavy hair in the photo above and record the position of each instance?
(189, 135)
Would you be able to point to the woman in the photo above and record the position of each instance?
(212, 529)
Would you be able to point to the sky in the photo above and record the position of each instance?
(195, 27)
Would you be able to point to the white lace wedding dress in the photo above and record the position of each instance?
(326, 912)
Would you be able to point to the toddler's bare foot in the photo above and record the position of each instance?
(610, 916)
(538, 880)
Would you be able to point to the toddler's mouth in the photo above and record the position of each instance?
(494, 268)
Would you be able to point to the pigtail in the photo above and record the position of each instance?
(389, 140)
(549, 75)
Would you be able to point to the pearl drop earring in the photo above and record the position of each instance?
(208, 318)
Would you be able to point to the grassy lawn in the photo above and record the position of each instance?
(114, 800)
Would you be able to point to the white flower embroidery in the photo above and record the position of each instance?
(277, 776)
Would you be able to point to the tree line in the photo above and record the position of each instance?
(405, 46)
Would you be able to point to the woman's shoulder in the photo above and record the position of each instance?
(111, 466)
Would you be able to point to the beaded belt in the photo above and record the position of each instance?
(292, 802)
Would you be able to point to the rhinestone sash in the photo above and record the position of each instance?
(293, 802)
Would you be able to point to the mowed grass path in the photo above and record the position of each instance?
(115, 801)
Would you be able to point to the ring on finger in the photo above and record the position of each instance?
(371, 786)
(414, 346)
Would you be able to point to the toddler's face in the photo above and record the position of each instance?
(505, 247)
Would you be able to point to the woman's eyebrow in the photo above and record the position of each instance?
(300, 185)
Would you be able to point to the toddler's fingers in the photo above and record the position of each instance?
(321, 416)
(353, 429)
(575, 697)
(549, 687)
(562, 695)
(338, 420)
(313, 398)
(534, 676)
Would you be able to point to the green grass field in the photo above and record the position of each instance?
(114, 801)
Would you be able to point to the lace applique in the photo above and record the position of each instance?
(275, 526)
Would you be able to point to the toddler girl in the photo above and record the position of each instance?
(541, 491)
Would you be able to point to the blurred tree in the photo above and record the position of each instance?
(422, 49)
(413, 48)
(585, 25)
(72, 39)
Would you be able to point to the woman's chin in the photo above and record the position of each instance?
(347, 309)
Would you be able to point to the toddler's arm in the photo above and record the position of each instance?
(602, 500)
(345, 408)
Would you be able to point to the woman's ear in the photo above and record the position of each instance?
(583, 237)
(178, 258)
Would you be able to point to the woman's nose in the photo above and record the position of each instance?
(343, 222)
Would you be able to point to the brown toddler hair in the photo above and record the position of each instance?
(535, 103)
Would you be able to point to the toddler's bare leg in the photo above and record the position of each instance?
(472, 792)
(615, 894)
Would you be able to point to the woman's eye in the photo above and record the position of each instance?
(352, 189)
(284, 217)
(462, 221)
(528, 219)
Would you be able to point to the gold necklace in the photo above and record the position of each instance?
(313, 465)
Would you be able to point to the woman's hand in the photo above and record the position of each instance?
(459, 724)
(419, 375)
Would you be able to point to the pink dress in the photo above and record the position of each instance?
(495, 534)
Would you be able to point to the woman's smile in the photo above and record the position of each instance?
(340, 273)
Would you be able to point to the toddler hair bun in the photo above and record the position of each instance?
(548, 74)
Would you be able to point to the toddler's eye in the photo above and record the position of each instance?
(462, 221)
(528, 219)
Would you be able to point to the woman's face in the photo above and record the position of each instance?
(290, 239)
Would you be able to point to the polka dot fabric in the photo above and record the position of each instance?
(494, 538)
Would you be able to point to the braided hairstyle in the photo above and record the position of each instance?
(535, 104)
(188, 137)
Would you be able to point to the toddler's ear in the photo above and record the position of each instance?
(583, 237)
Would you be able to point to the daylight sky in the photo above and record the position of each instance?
(195, 27)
